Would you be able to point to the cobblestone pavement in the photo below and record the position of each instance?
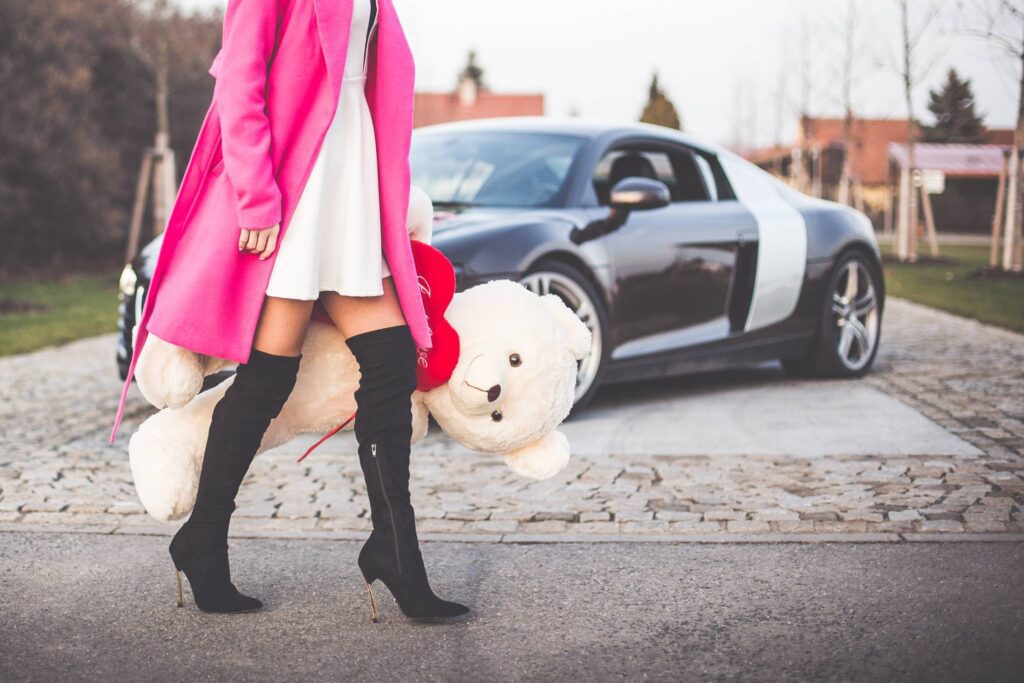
(58, 472)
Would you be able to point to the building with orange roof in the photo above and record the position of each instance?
(469, 101)
(814, 164)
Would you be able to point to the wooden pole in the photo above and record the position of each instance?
(914, 213)
(997, 219)
(858, 195)
(819, 167)
(929, 220)
(890, 197)
(1013, 247)
(1017, 249)
(165, 176)
(1013, 210)
(843, 192)
(903, 215)
(135, 229)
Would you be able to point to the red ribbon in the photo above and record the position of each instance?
(326, 436)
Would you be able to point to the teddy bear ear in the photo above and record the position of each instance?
(542, 459)
(420, 220)
(578, 334)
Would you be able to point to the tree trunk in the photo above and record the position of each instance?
(1014, 231)
(165, 176)
(845, 177)
(997, 219)
(903, 221)
(908, 244)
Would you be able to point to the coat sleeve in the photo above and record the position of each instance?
(250, 33)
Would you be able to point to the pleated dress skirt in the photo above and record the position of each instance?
(333, 242)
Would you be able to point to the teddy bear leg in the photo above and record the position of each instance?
(166, 455)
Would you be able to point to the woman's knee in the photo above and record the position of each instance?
(282, 326)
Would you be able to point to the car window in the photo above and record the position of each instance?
(627, 163)
(681, 171)
(692, 186)
(501, 169)
(708, 175)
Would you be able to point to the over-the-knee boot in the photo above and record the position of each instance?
(240, 418)
(387, 365)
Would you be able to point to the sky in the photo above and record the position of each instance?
(732, 67)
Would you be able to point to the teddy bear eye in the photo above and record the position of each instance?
(496, 416)
(514, 360)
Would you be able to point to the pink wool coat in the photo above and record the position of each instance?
(279, 76)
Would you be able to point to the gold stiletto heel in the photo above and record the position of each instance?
(373, 604)
(181, 598)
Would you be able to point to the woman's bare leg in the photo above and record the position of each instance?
(282, 326)
(356, 314)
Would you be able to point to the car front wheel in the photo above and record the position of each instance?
(850, 322)
(582, 298)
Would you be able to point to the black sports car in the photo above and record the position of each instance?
(680, 256)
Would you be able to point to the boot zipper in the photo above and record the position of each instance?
(387, 502)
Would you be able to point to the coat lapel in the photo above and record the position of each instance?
(334, 21)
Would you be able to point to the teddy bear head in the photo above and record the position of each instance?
(515, 377)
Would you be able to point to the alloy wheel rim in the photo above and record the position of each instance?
(855, 316)
(574, 296)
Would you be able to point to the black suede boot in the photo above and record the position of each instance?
(240, 418)
(387, 365)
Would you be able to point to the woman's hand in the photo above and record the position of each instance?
(262, 242)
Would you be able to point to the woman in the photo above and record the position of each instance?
(298, 190)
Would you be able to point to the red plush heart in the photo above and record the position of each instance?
(437, 285)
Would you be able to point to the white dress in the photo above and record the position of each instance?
(333, 242)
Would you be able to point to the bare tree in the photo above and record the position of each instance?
(781, 91)
(912, 69)
(150, 45)
(850, 31)
(1003, 28)
(806, 91)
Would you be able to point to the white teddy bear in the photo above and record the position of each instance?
(494, 321)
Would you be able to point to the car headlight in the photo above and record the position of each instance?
(126, 285)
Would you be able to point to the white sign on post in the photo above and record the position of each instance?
(934, 182)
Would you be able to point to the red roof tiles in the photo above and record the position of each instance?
(443, 107)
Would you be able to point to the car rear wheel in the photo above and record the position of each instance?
(850, 322)
(580, 295)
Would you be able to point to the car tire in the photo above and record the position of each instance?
(849, 322)
(579, 294)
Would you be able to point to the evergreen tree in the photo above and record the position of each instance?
(659, 109)
(953, 106)
(473, 72)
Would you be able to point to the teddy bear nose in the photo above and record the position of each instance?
(493, 393)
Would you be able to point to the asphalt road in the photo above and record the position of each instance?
(89, 607)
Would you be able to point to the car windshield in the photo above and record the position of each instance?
(501, 169)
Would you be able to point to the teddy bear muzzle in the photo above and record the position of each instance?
(481, 388)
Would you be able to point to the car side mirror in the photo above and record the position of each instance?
(639, 194)
(629, 194)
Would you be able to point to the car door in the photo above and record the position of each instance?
(675, 268)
